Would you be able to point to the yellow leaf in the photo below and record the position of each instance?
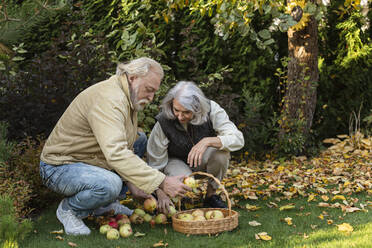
(339, 197)
(139, 234)
(287, 207)
(321, 217)
(329, 222)
(57, 232)
(345, 227)
(325, 198)
(263, 236)
(251, 207)
(311, 197)
(288, 220)
(72, 244)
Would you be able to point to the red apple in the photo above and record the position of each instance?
(113, 224)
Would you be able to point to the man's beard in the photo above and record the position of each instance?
(138, 105)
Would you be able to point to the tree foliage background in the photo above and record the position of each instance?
(237, 51)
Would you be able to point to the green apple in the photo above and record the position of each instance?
(112, 234)
(140, 212)
(197, 212)
(185, 216)
(104, 228)
(161, 219)
(125, 230)
(190, 181)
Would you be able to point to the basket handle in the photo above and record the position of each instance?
(218, 182)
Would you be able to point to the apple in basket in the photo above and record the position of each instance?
(197, 212)
(190, 181)
(199, 218)
(185, 216)
(214, 215)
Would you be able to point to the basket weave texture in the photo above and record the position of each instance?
(211, 226)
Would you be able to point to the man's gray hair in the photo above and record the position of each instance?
(191, 98)
(140, 67)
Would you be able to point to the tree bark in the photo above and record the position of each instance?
(300, 96)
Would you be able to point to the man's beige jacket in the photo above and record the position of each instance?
(99, 128)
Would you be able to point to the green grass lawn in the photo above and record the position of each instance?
(308, 230)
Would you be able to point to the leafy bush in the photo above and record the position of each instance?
(345, 76)
(12, 182)
(11, 230)
(41, 91)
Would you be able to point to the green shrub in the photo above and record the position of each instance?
(41, 91)
(11, 229)
(12, 181)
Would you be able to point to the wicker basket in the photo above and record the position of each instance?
(211, 226)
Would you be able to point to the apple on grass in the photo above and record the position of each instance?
(161, 219)
(104, 228)
(112, 234)
(171, 211)
(113, 224)
(150, 205)
(125, 230)
(136, 219)
(140, 212)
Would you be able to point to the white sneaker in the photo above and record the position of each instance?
(72, 224)
(116, 206)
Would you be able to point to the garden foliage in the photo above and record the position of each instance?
(86, 40)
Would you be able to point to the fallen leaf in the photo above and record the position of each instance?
(313, 226)
(325, 198)
(59, 237)
(329, 222)
(288, 220)
(287, 207)
(321, 217)
(345, 227)
(160, 244)
(72, 244)
(263, 236)
(323, 204)
(311, 198)
(339, 197)
(57, 232)
(254, 223)
(139, 234)
(251, 207)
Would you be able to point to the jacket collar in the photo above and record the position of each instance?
(123, 80)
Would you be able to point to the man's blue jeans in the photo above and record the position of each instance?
(87, 187)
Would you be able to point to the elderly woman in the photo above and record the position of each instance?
(192, 133)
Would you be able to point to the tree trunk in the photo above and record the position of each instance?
(300, 96)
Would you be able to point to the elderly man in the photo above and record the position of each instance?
(89, 153)
(192, 134)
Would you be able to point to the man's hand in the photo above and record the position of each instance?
(164, 202)
(174, 186)
(138, 193)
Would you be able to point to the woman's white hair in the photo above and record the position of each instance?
(140, 67)
(190, 97)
